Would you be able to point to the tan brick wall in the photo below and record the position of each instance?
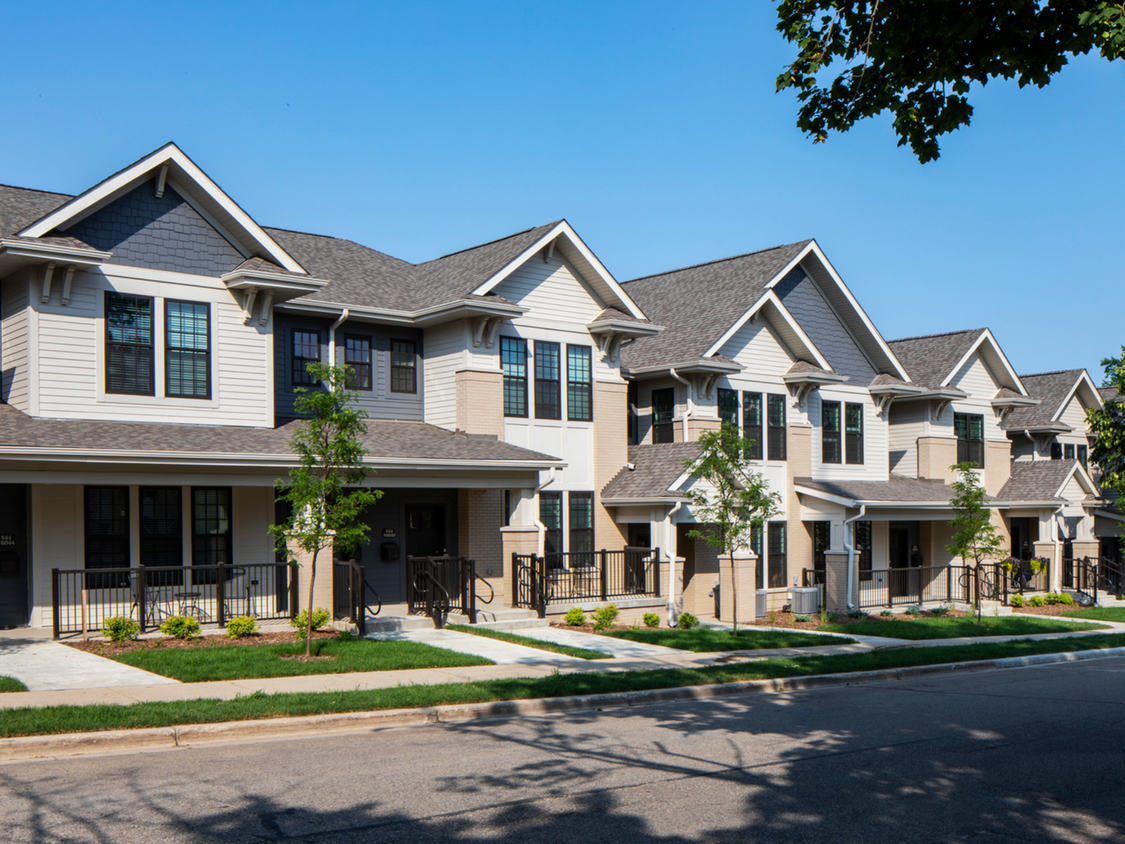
(611, 453)
(738, 577)
(703, 567)
(697, 426)
(1047, 549)
(480, 402)
(519, 540)
(479, 520)
(836, 587)
(1085, 549)
(799, 459)
(935, 456)
(997, 465)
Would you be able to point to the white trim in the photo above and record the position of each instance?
(986, 334)
(105, 191)
(1085, 376)
(772, 298)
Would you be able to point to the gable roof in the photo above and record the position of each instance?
(933, 359)
(655, 469)
(699, 304)
(897, 489)
(1042, 480)
(1054, 390)
(1110, 394)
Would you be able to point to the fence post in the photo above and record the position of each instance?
(472, 591)
(539, 585)
(142, 598)
(54, 603)
(656, 571)
(605, 574)
(294, 592)
(220, 595)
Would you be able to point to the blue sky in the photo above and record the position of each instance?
(422, 128)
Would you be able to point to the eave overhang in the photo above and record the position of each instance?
(698, 366)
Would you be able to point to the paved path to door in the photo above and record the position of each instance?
(47, 666)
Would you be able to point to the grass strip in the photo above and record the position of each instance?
(956, 628)
(710, 639)
(528, 642)
(72, 719)
(1100, 613)
(11, 684)
(240, 662)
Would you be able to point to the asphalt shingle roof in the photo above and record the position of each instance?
(1110, 394)
(898, 488)
(1036, 480)
(697, 304)
(1051, 388)
(656, 468)
(929, 360)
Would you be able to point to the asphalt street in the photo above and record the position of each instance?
(1033, 754)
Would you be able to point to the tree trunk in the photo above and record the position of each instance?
(309, 609)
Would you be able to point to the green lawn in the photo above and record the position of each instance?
(238, 662)
(1102, 613)
(71, 719)
(528, 642)
(954, 628)
(11, 684)
(710, 640)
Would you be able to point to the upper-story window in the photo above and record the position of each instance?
(776, 421)
(187, 353)
(357, 355)
(404, 366)
(513, 362)
(969, 428)
(1056, 451)
(579, 384)
(1083, 456)
(728, 407)
(306, 350)
(830, 432)
(663, 411)
(548, 390)
(752, 423)
(129, 342)
(1068, 451)
(853, 433)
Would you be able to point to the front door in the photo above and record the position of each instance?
(425, 530)
(898, 558)
(13, 556)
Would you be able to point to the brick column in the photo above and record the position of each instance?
(1047, 549)
(935, 456)
(479, 520)
(800, 551)
(697, 426)
(323, 594)
(742, 579)
(836, 586)
(611, 453)
(480, 402)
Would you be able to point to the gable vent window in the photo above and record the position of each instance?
(969, 429)
(187, 362)
(853, 433)
(830, 432)
(306, 350)
(548, 399)
(129, 358)
(663, 409)
(404, 370)
(579, 384)
(777, 433)
(752, 424)
(513, 361)
(357, 355)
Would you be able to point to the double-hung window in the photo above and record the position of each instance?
(357, 355)
(752, 424)
(776, 419)
(830, 432)
(129, 345)
(1068, 451)
(513, 361)
(969, 429)
(161, 532)
(1056, 451)
(581, 528)
(1083, 456)
(404, 366)
(210, 530)
(187, 353)
(853, 433)
(579, 384)
(728, 407)
(106, 523)
(777, 553)
(663, 411)
(548, 395)
(550, 516)
(306, 350)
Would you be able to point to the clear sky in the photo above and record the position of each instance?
(419, 128)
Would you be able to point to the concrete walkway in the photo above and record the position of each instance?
(47, 666)
(502, 653)
(621, 648)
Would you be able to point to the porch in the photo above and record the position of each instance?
(573, 578)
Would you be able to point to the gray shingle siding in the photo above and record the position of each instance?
(164, 234)
(813, 313)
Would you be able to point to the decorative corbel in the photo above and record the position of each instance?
(66, 285)
(160, 179)
(478, 325)
(705, 384)
(48, 274)
(1002, 414)
(883, 405)
(939, 408)
(800, 392)
(615, 347)
(491, 332)
(248, 305)
(264, 308)
(549, 252)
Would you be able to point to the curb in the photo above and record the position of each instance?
(194, 735)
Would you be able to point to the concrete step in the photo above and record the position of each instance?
(514, 624)
(501, 618)
(394, 623)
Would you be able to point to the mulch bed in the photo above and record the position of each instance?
(163, 643)
(1049, 609)
(786, 619)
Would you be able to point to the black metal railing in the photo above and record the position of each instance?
(437, 586)
(1111, 576)
(529, 583)
(812, 577)
(585, 576)
(899, 587)
(1021, 578)
(82, 599)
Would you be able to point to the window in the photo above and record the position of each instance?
(776, 420)
(1068, 450)
(863, 549)
(776, 552)
(513, 360)
(1056, 451)
(853, 433)
(107, 534)
(128, 358)
(162, 533)
(822, 540)
(187, 354)
(756, 547)
(404, 366)
(969, 429)
(728, 407)
(357, 355)
(548, 398)
(752, 424)
(634, 417)
(210, 530)
(579, 384)
(581, 527)
(506, 514)
(830, 432)
(663, 409)
(1084, 456)
(550, 515)
(306, 350)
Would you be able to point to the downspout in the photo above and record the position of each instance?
(1057, 562)
(850, 548)
(542, 527)
(332, 336)
(672, 569)
(690, 403)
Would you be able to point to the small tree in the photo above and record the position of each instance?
(327, 445)
(975, 536)
(1108, 427)
(733, 500)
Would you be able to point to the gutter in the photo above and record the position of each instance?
(690, 403)
(538, 523)
(850, 548)
(672, 571)
(332, 336)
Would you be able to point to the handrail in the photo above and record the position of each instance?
(378, 601)
(491, 591)
(439, 619)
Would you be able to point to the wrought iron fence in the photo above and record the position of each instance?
(529, 583)
(585, 576)
(436, 586)
(900, 587)
(82, 599)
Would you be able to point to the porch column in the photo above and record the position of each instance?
(836, 581)
(323, 593)
(479, 524)
(1047, 550)
(742, 579)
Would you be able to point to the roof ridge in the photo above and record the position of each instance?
(37, 190)
(342, 240)
(494, 240)
(1053, 372)
(939, 334)
(719, 260)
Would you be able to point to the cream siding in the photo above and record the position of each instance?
(757, 347)
(552, 292)
(875, 437)
(14, 352)
(444, 354)
(976, 380)
(907, 424)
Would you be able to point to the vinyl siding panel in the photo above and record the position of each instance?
(757, 347)
(875, 439)
(808, 306)
(906, 426)
(975, 379)
(551, 291)
(14, 352)
(444, 356)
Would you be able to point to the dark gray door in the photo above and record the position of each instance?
(13, 556)
(425, 530)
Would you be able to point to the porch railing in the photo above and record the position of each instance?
(900, 587)
(585, 576)
(82, 599)
(352, 594)
(1081, 576)
(437, 586)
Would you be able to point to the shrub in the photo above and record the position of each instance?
(120, 628)
(241, 626)
(857, 614)
(1038, 601)
(180, 626)
(604, 617)
(887, 614)
(686, 621)
(802, 619)
(652, 619)
(1058, 598)
(345, 635)
(1065, 599)
(939, 611)
(914, 611)
(1016, 600)
(320, 618)
(575, 617)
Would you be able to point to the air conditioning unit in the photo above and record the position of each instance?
(805, 600)
(760, 604)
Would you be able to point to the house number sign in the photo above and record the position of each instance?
(7, 539)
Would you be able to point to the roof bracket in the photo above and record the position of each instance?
(160, 180)
(883, 405)
(800, 391)
(248, 305)
(549, 252)
(66, 285)
(939, 408)
(485, 329)
(705, 384)
(48, 274)
(264, 308)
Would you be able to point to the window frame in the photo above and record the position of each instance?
(197, 552)
(864, 543)
(580, 389)
(168, 350)
(397, 369)
(1069, 451)
(575, 527)
(150, 555)
(354, 382)
(777, 559)
(831, 439)
(111, 344)
(117, 545)
(668, 425)
(547, 395)
(550, 534)
(1083, 456)
(514, 383)
(963, 422)
(753, 401)
(299, 375)
(853, 440)
(724, 395)
(776, 443)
